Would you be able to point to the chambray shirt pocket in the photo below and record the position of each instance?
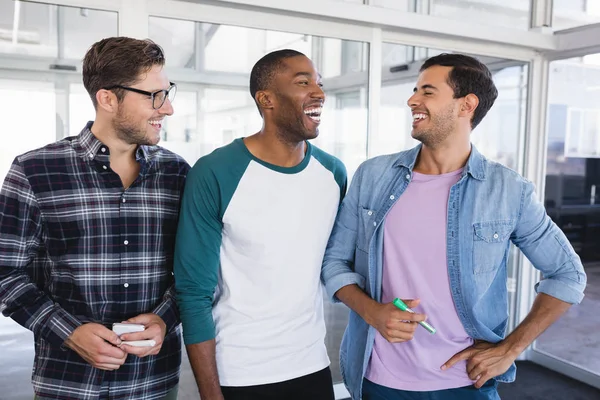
(490, 244)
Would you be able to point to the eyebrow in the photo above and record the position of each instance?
(426, 86)
(307, 75)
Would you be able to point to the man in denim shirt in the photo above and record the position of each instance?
(433, 225)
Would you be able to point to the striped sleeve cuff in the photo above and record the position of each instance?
(168, 311)
(59, 326)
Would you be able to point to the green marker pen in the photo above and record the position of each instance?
(401, 305)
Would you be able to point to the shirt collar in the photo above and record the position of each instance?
(91, 146)
(475, 163)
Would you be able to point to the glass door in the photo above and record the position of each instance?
(572, 199)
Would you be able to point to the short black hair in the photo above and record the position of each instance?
(267, 67)
(468, 75)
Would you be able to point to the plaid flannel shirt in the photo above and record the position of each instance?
(76, 247)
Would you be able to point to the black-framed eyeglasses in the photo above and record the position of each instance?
(158, 98)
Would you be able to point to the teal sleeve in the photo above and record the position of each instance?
(197, 248)
(341, 177)
(335, 166)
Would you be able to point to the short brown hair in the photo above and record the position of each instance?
(118, 61)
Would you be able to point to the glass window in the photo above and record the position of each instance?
(572, 198)
(52, 31)
(177, 38)
(507, 13)
(28, 28)
(81, 109)
(573, 13)
(402, 5)
(25, 131)
(82, 27)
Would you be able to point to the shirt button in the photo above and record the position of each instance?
(407, 177)
(392, 197)
(124, 200)
(126, 284)
(370, 213)
(126, 242)
(103, 150)
(374, 223)
(91, 156)
(495, 236)
(105, 167)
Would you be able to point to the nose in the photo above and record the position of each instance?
(166, 108)
(413, 100)
(318, 93)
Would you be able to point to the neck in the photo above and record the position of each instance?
(104, 132)
(269, 146)
(445, 157)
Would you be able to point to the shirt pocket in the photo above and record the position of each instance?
(490, 244)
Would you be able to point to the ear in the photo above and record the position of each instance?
(264, 99)
(469, 104)
(107, 100)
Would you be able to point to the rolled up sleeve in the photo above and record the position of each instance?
(549, 250)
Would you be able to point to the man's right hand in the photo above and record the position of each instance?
(96, 344)
(393, 324)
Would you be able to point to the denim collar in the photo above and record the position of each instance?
(475, 164)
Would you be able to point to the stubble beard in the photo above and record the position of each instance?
(441, 128)
(292, 130)
(128, 132)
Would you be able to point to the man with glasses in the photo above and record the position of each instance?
(87, 231)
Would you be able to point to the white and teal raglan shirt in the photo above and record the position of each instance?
(250, 244)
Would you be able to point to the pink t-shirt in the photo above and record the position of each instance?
(415, 266)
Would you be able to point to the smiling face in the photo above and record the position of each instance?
(297, 100)
(136, 122)
(434, 108)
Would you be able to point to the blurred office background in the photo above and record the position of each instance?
(545, 123)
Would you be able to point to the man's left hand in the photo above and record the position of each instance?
(156, 329)
(484, 360)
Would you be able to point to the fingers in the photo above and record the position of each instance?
(412, 302)
(396, 332)
(112, 352)
(143, 319)
(106, 334)
(463, 355)
(136, 351)
(482, 380)
(395, 314)
(141, 351)
(413, 317)
(152, 332)
(136, 336)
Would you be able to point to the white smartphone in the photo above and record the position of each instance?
(121, 328)
(140, 343)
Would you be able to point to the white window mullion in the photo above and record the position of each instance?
(375, 67)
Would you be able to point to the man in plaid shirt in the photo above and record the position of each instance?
(87, 230)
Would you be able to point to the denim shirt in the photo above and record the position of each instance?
(489, 207)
